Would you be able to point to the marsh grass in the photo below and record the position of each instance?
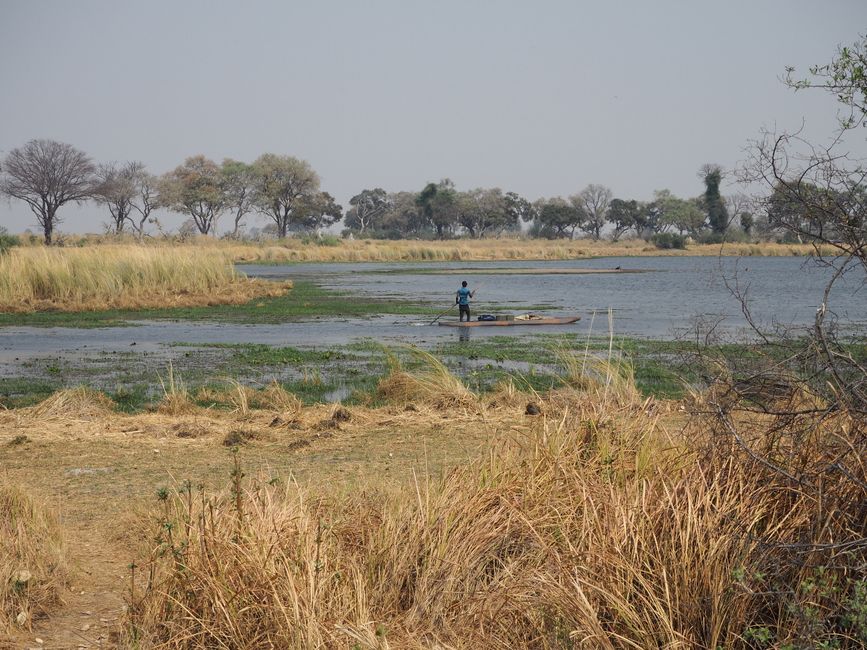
(123, 276)
(33, 568)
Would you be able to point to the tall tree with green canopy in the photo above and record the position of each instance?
(283, 185)
(557, 218)
(315, 212)
(438, 203)
(714, 205)
(485, 212)
(195, 189)
(624, 216)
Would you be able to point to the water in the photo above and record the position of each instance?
(667, 297)
(664, 296)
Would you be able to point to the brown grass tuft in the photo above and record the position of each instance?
(80, 403)
(33, 567)
(434, 384)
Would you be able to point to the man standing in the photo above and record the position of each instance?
(462, 300)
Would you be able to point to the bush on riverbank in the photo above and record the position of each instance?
(123, 277)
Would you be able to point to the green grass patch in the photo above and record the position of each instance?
(257, 354)
(16, 392)
(306, 300)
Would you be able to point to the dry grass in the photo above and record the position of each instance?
(123, 277)
(293, 250)
(33, 567)
(434, 384)
(599, 528)
(608, 521)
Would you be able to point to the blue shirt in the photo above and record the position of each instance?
(463, 296)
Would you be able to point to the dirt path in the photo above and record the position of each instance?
(94, 602)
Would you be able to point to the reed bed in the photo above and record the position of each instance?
(123, 277)
(33, 569)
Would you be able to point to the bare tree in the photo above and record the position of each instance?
(594, 200)
(807, 387)
(116, 188)
(146, 202)
(238, 181)
(47, 174)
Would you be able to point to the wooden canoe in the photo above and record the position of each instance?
(564, 320)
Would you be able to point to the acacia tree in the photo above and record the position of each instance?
(237, 182)
(367, 209)
(282, 186)
(593, 200)
(117, 187)
(195, 189)
(46, 175)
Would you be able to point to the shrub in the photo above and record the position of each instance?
(7, 241)
(667, 240)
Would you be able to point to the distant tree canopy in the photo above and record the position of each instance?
(287, 192)
(557, 218)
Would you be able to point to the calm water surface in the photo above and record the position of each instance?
(667, 298)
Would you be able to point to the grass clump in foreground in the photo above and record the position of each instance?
(123, 277)
(33, 567)
(596, 524)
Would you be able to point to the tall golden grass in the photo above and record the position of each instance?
(331, 249)
(123, 276)
(294, 250)
(33, 569)
(598, 529)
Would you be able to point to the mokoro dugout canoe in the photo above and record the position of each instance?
(564, 320)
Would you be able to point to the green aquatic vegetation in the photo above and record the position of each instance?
(258, 354)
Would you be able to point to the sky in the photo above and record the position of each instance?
(540, 98)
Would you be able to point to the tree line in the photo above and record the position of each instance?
(287, 192)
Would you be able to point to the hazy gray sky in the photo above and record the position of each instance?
(540, 98)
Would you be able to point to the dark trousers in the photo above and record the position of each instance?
(463, 309)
